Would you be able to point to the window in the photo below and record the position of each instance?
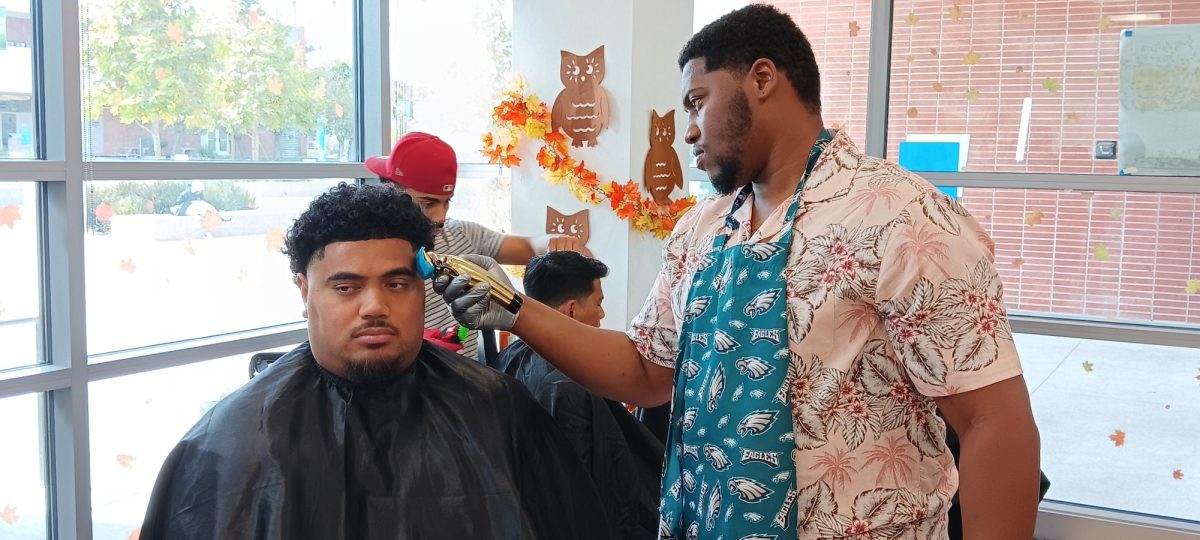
(1117, 422)
(475, 200)
(1019, 86)
(1104, 256)
(171, 260)
(126, 456)
(275, 77)
(23, 507)
(18, 135)
(448, 69)
(20, 298)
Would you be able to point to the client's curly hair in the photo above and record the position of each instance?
(350, 213)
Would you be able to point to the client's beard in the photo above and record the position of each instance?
(374, 370)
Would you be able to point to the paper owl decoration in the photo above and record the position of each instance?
(662, 172)
(581, 109)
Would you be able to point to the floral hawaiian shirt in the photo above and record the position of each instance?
(892, 299)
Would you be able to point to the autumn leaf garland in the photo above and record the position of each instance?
(521, 114)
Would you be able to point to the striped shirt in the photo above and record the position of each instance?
(458, 238)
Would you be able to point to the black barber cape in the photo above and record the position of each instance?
(624, 458)
(448, 449)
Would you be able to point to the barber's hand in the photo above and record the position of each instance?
(472, 306)
(567, 243)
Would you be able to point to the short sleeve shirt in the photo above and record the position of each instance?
(893, 299)
(458, 237)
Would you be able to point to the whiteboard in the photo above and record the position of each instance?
(1160, 101)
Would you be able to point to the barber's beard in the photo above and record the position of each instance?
(729, 166)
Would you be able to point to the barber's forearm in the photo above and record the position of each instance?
(604, 361)
(998, 479)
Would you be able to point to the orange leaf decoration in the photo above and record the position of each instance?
(854, 28)
(175, 33)
(9, 515)
(243, 276)
(9, 215)
(1118, 438)
(150, 206)
(971, 58)
(126, 460)
(338, 110)
(275, 240)
(160, 73)
(275, 86)
(210, 221)
(1034, 218)
(104, 212)
(189, 248)
(937, 87)
(1088, 366)
(912, 112)
(127, 265)
(1178, 474)
(252, 17)
(1018, 262)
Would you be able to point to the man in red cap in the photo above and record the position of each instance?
(426, 168)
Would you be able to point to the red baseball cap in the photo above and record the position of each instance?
(419, 161)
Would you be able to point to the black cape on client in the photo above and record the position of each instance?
(624, 458)
(448, 449)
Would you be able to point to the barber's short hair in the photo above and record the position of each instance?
(741, 37)
(351, 213)
(560, 276)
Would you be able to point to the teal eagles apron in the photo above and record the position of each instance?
(729, 470)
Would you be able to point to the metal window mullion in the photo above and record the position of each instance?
(1068, 182)
(65, 340)
(32, 171)
(879, 78)
(33, 380)
(374, 77)
(211, 170)
(122, 363)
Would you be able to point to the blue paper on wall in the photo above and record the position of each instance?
(931, 157)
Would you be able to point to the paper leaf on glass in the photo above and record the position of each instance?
(934, 52)
(854, 28)
(1022, 15)
(1071, 118)
(339, 110)
(9, 515)
(971, 58)
(1177, 474)
(937, 87)
(149, 207)
(972, 94)
(910, 58)
(275, 240)
(1193, 287)
(1019, 70)
(9, 215)
(1018, 262)
(252, 17)
(1115, 213)
(1104, 23)
(955, 12)
(1034, 218)
(175, 33)
(126, 460)
(912, 19)
(160, 74)
(243, 275)
(275, 86)
(1088, 366)
(210, 221)
(127, 266)
(1051, 85)
(1101, 252)
(104, 212)
(912, 112)
(189, 248)
(1118, 438)
(298, 51)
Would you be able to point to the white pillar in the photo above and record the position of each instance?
(641, 39)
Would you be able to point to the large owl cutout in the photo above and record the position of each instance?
(581, 109)
(573, 225)
(662, 172)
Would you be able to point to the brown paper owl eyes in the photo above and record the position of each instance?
(581, 110)
(573, 225)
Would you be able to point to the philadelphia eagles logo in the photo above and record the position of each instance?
(714, 508)
(761, 303)
(689, 418)
(719, 460)
(717, 388)
(689, 481)
(757, 422)
(725, 342)
(761, 252)
(697, 308)
(753, 367)
(748, 490)
(691, 369)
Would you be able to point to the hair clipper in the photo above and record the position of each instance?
(434, 264)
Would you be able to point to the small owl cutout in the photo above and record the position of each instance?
(662, 172)
(573, 225)
(581, 109)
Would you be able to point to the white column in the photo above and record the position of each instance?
(641, 39)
